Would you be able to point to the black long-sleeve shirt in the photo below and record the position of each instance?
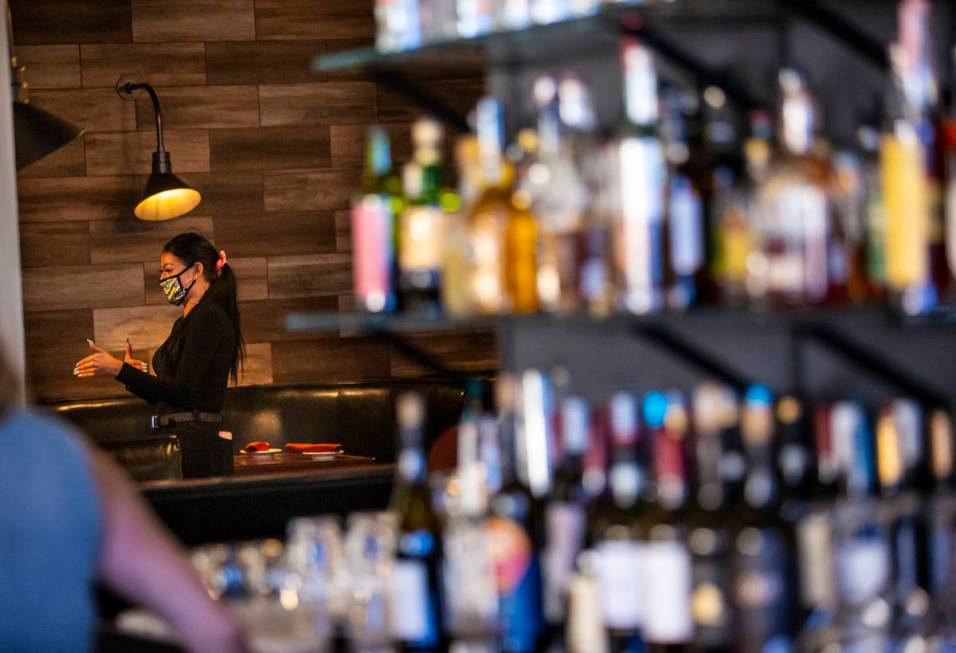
(192, 366)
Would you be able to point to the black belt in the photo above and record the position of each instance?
(160, 421)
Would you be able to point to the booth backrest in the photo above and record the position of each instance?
(360, 416)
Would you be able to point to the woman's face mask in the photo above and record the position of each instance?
(173, 289)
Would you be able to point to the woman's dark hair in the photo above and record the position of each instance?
(190, 248)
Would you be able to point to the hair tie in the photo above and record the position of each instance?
(221, 262)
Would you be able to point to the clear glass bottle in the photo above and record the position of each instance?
(416, 605)
(794, 217)
(639, 175)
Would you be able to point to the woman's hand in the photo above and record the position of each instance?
(134, 362)
(99, 363)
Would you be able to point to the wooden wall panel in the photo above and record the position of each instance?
(329, 359)
(310, 190)
(472, 352)
(193, 20)
(261, 62)
(95, 109)
(145, 326)
(314, 19)
(82, 286)
(275, 150)
(276, 234)
(131, 152)
(77, 198)
(135, 241)
(68, 161)
(459, 94)
(312, 104)
(257, 366)
(228, 192)
(50, 66)
(190, 107)
(270, 148)
(265, 320)
(70, 21)
(160, 64)
(309, 276)
(44, 244)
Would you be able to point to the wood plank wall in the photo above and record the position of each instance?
(275, 150)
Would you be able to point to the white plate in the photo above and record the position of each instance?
(267, 452)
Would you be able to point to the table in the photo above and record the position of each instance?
(250, 464)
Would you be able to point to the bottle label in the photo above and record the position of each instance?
(413, 617)
(564, 527)
(863, 567)
(518, 578)
(815, 561)
(907, 210)
(471, 596)
(372, 252)
(642, 203)
(709, 601)
(622, 594)
(686, 228)
(421, 240)
(667, 582)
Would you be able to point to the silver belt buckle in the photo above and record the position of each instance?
(154, 421)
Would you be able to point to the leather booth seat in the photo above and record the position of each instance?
(360, 416)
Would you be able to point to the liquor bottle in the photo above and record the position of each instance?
(684, 218)
(474, 17)
(667, 571)
(438, 19)
(874, 266)
(906, 196)
(488, 218)
(763, 548)
(860, 539)
(471, 597)
(613, 532)
(941, 514)
(639, 176)
(564, 514)
(949, 144)
(592, 247)
(422, 224)
(901, 467)
(516, 531)
(560, 201)
(511, 14)
(709, 539)
(521, 232)
(847, 254)
(398, 25)
(794, 209)
(373, 240)
(416, 584)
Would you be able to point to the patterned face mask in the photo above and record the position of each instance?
(173, 289)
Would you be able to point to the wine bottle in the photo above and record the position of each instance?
(564, 514)
(763, 548)
(613, 532)
(416, 584)
(515, 525)
(709, 539)
(373, 240)
(668, 623)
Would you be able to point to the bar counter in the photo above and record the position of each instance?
(259, 502)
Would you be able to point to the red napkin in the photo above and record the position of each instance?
(256, 446)
(307, 447)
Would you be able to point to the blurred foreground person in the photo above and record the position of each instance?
(69, 518)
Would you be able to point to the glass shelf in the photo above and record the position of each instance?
(541, 42)
(704, 316)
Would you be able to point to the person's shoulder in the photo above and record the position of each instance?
(39, 428)
(211, 311)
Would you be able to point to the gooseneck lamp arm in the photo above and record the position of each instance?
(160, 156)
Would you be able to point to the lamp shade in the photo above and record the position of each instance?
(37, 133)
(166, 197)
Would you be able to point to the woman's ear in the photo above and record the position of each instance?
(200, 268)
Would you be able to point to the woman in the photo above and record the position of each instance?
(195, 363)
(70, 519)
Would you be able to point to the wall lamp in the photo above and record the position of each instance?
(36, 132)
(166, 196)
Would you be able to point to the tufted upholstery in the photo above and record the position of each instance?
(361, 416)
